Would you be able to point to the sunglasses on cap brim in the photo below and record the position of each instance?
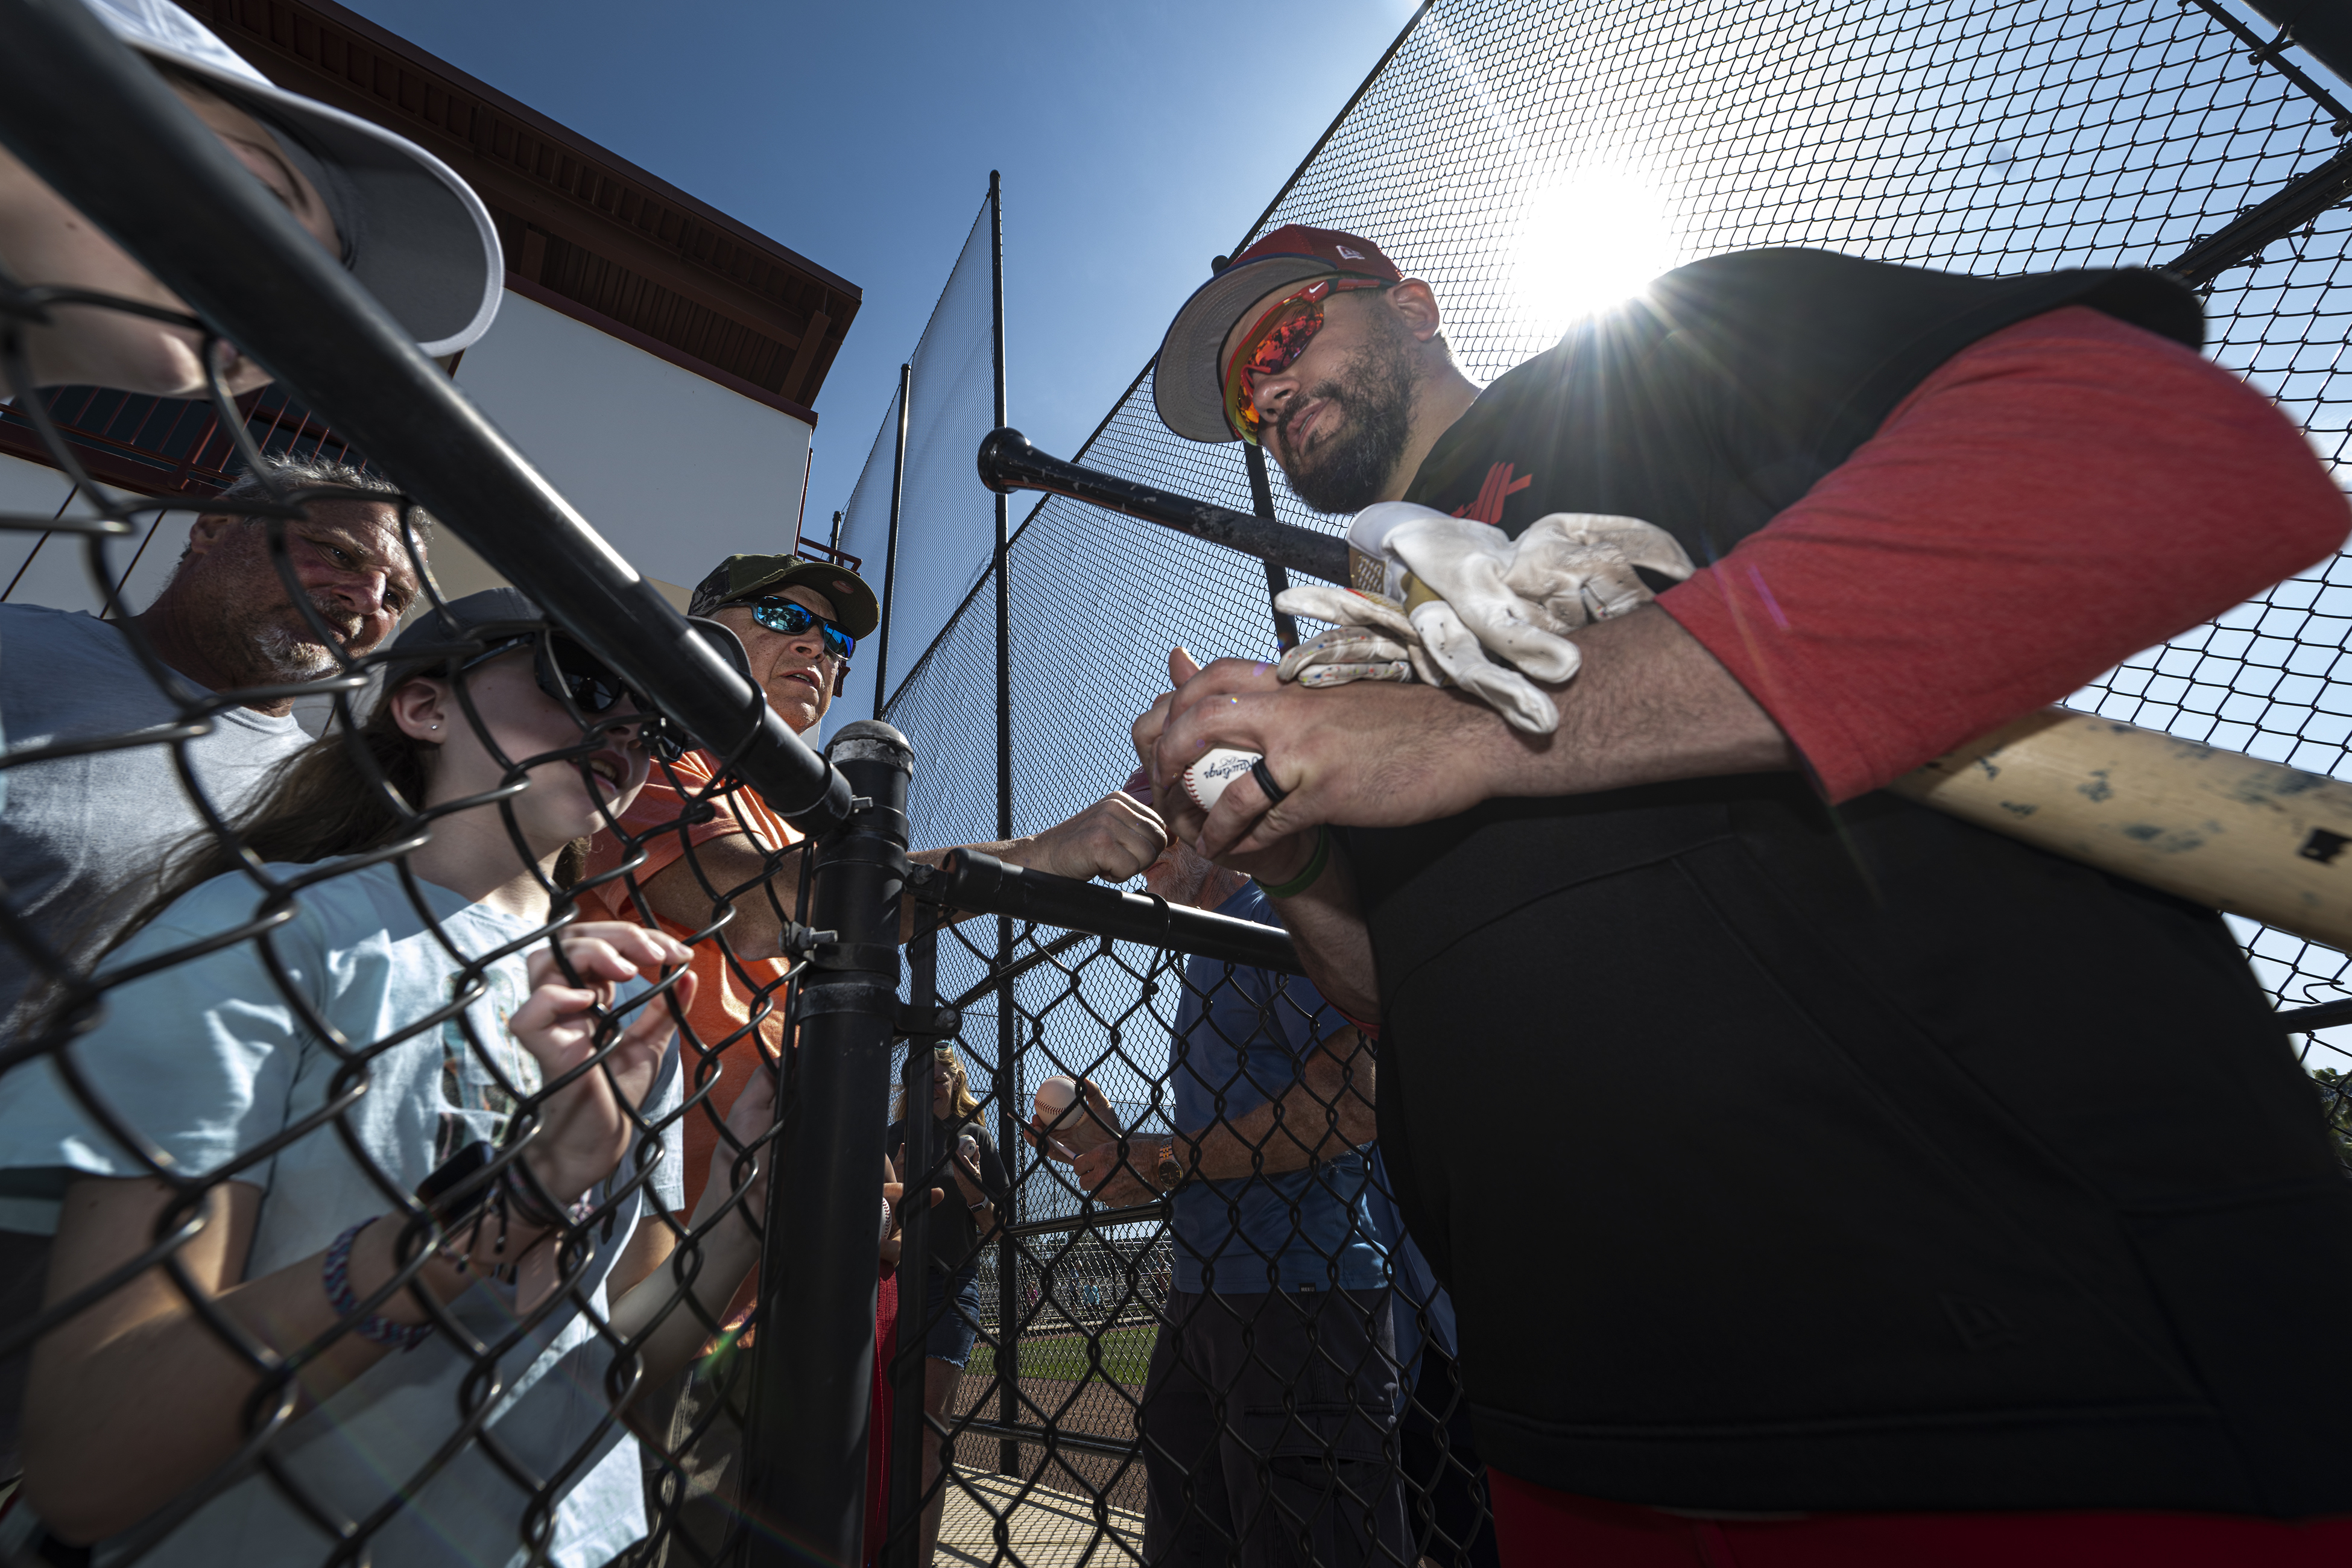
(1274, 343)
(567, 672)
(794, 620)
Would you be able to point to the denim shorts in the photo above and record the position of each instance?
(958, 1322)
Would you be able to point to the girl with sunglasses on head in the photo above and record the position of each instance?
(534, 1211)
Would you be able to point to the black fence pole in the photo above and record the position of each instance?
(1008, 1034)
(804, 1444)
(890, 552)
(1285, 629)
(906, 1376)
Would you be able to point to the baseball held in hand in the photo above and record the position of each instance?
(1205, 780)
(1054, 1097)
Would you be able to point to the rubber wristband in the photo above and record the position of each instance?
(1306, 877)
(335, 1271)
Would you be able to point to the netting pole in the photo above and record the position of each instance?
(1008, 1074)
(804, 1444)
(890, 552)
(1285, 629)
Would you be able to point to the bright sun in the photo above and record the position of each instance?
(1587, 241)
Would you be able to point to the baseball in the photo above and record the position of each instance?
(1054, 1097)
(1205, 780)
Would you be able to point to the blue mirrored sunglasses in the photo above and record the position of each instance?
(793, 620)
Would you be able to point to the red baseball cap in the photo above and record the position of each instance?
(1186, 388)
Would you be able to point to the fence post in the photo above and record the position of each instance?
(1008, 1071)
(804, 1444)
(890, 552)
(913, 1367)
(1285, 629)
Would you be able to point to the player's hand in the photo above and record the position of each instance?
(1275, 859)
(1112, 839)
(1112, 1173)
(1371, 754)
(586, 1127)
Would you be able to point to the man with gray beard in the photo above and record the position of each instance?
(81, 836)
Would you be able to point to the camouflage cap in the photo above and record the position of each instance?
(742, 577)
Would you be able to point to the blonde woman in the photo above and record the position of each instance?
(960, 1227)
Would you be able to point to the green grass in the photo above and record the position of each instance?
(1126, 1353)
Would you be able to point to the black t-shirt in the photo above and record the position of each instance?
(1889, 1164)
(955, 1231)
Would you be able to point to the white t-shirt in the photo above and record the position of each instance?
(210, 1062)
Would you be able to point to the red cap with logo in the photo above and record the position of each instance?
(1186, 388)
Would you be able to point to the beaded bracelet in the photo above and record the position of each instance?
(336, 1271)
(1306, 877)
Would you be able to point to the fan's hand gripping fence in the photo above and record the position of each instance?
(444, 1295)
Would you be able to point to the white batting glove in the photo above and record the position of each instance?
(1578, 567)
(1472, 594)
(1370, 639)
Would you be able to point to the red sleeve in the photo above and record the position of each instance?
(2053, 499)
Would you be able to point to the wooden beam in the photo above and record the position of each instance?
(805, 356)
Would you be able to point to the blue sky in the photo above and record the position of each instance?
(1136, 142)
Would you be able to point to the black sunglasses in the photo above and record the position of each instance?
(793, 620)
(568, 672)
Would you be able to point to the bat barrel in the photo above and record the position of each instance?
(2254, 838)
(1008, 462)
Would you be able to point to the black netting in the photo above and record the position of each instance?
(946, 523)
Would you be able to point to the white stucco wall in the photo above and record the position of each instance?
(674, 470)
(54, 568)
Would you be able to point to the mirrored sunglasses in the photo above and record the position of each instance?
(794, 620)
(1274, 343)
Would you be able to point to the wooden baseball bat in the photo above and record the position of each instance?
(2256, 838)
(2219, 827)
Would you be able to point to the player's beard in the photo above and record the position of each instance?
(1351, 462)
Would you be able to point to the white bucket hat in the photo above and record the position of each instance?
(415, 234)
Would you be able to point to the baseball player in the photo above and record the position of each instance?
(1918, 1197)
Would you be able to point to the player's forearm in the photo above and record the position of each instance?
(1650, 705)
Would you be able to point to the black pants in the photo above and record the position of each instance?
(1269, 1430)
(1446, 1484)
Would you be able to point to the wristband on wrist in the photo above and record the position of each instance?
(335, 1273)
(1306, 877)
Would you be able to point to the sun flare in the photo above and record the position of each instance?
(1587, 241)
